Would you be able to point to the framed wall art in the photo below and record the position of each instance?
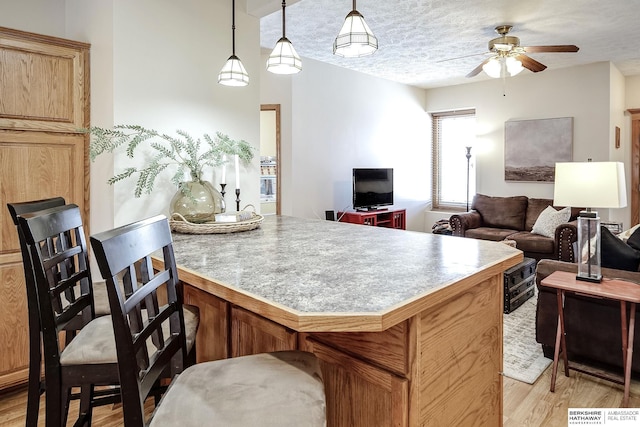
(532, 148)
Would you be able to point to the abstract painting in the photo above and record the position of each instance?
(532, 148)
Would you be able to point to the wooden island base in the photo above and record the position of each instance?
(440, 367)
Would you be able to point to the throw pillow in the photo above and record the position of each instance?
(549, 220)
(614, 253)
(624, 236)
(634, 240)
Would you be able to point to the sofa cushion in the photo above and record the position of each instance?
(501, 212)
(614, 253)
(531, 242)
(549, 220)
(534, 209)
(489, 233)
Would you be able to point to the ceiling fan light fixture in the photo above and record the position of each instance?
(498, 67)
(493, 68)
(355, 38)
(513, 66)
(233, 72)
(283, 58)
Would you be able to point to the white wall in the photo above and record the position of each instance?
(37, 16)
(342, 119)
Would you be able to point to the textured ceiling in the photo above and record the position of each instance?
(415, 36)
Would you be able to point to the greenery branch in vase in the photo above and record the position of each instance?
(196, 200)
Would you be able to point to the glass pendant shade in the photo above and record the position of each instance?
(355, 38)
(284, 59)
(233, 73)
(502, 67)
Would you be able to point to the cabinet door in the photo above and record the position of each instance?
(360, 394)
(212, 340)
(252, 334)
(44, 85)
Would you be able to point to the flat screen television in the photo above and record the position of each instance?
(372, 188)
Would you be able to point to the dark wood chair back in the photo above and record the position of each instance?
(35, 385)
(57, 250)
(144, 350)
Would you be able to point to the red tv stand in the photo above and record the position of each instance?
(380, 218)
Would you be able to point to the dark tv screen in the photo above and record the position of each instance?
(372, 187)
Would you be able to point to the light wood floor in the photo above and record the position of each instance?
(525, 405)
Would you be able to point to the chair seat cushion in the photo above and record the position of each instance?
(270, 389)
(95, 342)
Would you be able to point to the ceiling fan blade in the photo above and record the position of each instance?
(530, 63)
(462, 57)
(477, 70)
(553, 48)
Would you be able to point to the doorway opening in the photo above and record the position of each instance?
(270, 159)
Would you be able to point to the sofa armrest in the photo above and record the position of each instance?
(566, 235)
(460, 223)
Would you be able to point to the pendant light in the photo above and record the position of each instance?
(284, 59)
(355, 38)
(233, 72)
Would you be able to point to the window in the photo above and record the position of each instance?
(453, 132)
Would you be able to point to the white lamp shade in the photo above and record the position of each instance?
(355, 38)
(590, 185)
(233, 73)
(284, 59)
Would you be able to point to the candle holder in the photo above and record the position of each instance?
(238, 199)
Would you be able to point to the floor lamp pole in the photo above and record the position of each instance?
(468, 155)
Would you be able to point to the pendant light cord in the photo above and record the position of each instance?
(233, 27)
(284, 6)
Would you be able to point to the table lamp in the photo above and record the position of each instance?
(590, 185)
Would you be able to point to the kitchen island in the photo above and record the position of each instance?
(407, 325)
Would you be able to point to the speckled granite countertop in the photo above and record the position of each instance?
(314, 266)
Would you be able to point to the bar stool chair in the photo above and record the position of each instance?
(35, 385)
(57, 252)
(271, 389)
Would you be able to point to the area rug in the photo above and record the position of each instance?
(522, 355)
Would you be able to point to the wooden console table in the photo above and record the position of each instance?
(616, 290)
(378, 218)
(407, 325)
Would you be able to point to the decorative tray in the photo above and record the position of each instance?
(181, 225)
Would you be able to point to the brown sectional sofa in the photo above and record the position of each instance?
(512, 218)
(592, 326)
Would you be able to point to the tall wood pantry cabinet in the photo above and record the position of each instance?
(44, 103)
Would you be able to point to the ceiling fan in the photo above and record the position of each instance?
(507, 56)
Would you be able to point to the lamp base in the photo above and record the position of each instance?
(588, 256)
(592, 279)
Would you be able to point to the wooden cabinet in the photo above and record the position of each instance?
(381, 218)
(44, 87)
